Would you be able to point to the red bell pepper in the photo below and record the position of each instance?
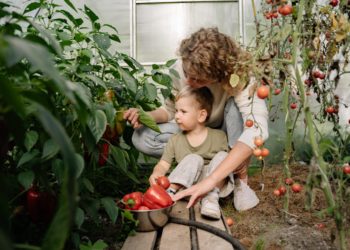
(150, 204)
(156, 194)
(103, 154)
(133, 200)
(33, 204)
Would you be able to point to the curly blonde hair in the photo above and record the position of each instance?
(210, 54)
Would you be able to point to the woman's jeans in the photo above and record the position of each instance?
(152, 143)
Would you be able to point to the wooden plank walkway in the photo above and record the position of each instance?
(175, 236)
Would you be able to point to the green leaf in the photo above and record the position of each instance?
(150, 90)
(161, 78)
(26, 178)
(174, 72)
(31, 138)
(27, 157)
(129, 80)
(59, 230)
(79, 165)
(12, 96)
(118, 156)
(79, 217)
(58, 169)
(46, 34)
(87, 183)
(97, 124)
(69, 3)
(111, 208)
(50, 149)
(170, 63)
(99, 245)
(40, 58)
(103, 41)
(93, 17)
(148, 121)
(110, 26)
(30, 7)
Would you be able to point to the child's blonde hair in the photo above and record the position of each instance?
(203, 97)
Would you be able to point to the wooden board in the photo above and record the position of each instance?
(209, 241)
(176, 236)
(140, 241)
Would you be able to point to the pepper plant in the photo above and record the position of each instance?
(63, 91)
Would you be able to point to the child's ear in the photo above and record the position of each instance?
(202, 115)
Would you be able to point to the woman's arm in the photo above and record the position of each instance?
(237, 155)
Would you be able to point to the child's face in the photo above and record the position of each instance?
(188, 115)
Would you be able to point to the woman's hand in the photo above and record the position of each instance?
(196, 191)
(132, 116)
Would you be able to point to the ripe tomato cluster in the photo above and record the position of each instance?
(295, 187)
(155, 197)
(278, 7)
(260, 152)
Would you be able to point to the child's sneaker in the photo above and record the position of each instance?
(210, 205)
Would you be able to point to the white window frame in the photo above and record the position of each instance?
(133, 17)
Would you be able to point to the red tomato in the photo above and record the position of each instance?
(285, 10)
(229, 221)
(277, 91)
(277, 192)
(257, 152)
(263, 92)
(258, 141)
(296, 187)
(249, 123)
(282, 190)
(334, 3)
(289, 181)
(330, 110)
(163, 181)
(293, 105)
(264, 152)
(346, 169)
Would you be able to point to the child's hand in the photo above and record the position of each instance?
(153, 178)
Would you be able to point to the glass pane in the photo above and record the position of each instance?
(161, 27)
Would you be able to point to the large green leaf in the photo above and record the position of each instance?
(129, 80)
(90, 14)
(97, 124)
(30, 139)
(26, 178)
(111, 208)
(79, 217)
(47, 34)
(69, 3)
(39, 58)
(50, 149)
(12, 96)
(150, 91)
(103, 41)
(118, 157)
(27, 157)
(59, 229)
(148, 121)
(32, 6)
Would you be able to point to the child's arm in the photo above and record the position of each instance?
(160, 169)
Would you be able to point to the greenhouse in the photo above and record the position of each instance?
(174, 124)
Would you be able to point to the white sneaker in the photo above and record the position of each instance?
(210, 205)
(244, 197)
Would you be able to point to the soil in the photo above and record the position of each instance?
(269, 226)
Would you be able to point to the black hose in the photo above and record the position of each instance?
(218, 232)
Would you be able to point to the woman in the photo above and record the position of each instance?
(212, 59)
